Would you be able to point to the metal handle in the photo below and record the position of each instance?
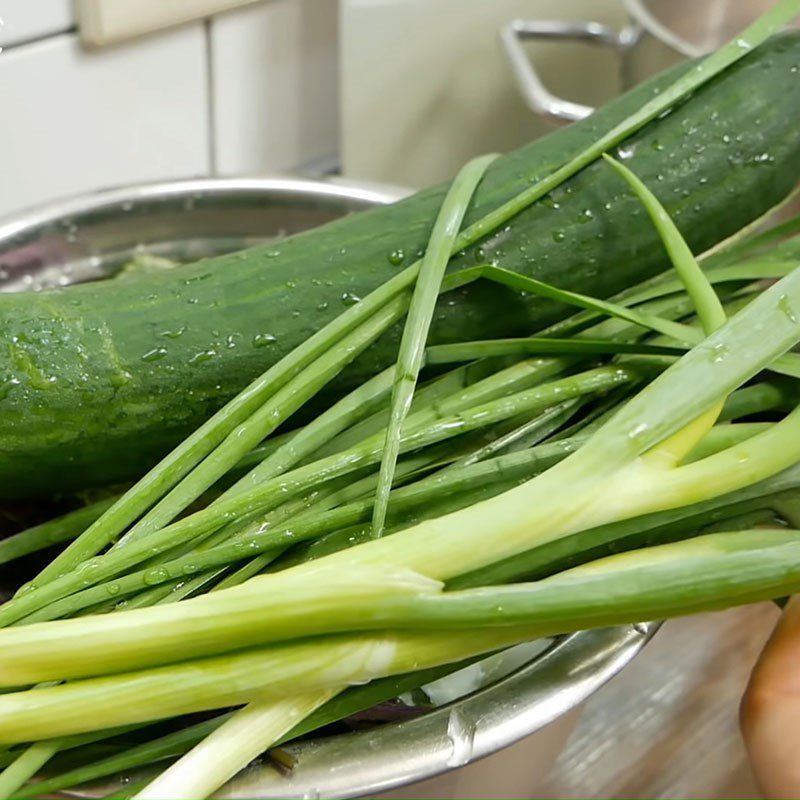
(537, 96)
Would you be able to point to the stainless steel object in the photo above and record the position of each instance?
(90, 237)
(533, 89)
(93, 235)
(660, 33)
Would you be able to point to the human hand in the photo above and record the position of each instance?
(770, 711)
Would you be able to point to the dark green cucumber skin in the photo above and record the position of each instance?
(82, 404)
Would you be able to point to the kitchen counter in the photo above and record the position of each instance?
(667, 725)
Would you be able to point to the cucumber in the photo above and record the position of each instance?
(98, 380)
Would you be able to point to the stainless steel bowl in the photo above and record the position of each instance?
(90, 237)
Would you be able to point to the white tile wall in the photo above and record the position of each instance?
(275, 101)
(25, 20)
(256, 91)
(75, 121)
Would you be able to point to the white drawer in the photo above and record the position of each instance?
(274, 86)
(25, 20)
(76, 120)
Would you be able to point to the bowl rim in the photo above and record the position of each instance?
(65, 208)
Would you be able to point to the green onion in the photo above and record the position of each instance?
(464, 351)
(208, 436)
(239, 739)
(420, 315)
(275, 411)
(152, 636)
(704, 573)
(622, 470)
(179, 463)
(347, 703)
(706, 302)
(275, 538)
(53, 532)
(263, 498)
(26, 766)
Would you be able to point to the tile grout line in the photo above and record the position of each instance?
(211, 116)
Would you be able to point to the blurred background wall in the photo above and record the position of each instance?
(99, 93)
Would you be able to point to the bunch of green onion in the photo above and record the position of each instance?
(475, 495)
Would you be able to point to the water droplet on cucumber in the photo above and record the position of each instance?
(202, 357)
(175, 333)
(549, 202)
(396, 257)
(264, 339)
(156, 354)
(350, 299)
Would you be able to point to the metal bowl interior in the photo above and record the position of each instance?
(89, 238)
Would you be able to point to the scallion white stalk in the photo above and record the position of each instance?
(238, 741)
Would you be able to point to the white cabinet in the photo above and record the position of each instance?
(77, 120)
(274, 86)
(26, 20)
(105, 21)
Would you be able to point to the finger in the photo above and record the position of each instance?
(770, 711)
